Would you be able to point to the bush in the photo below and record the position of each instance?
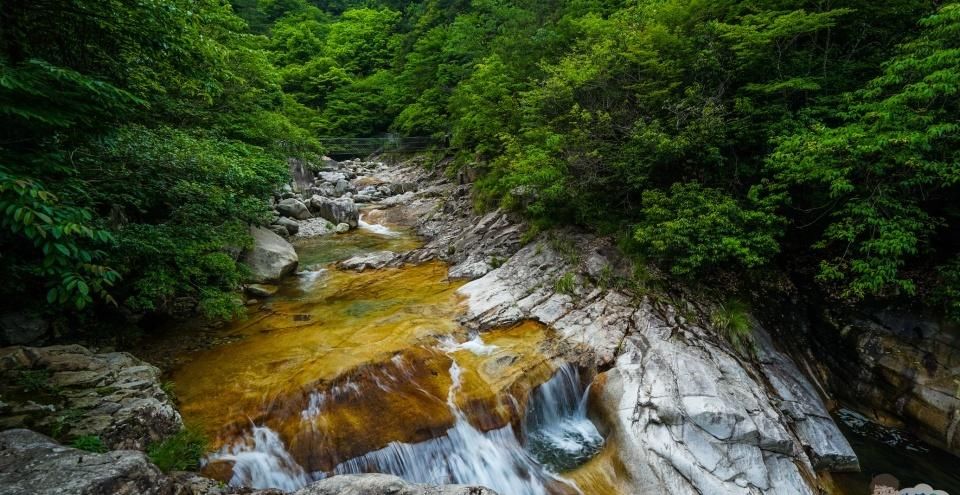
(181, 452)
(90, 443)
(694, 229)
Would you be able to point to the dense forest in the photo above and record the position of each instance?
(719, 140)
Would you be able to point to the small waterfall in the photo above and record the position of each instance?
(464, 455)
(556, 430)
(263, 462)
(376, 228)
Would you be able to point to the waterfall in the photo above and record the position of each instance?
(556, 430)
(376, 228)
(556, 427)
(263, 462)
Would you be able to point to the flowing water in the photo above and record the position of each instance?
(345, 372)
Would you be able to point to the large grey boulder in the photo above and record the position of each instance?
(341, 210)
(22, 328)
(384, 484)
(31, 463)
(70, 391)
(293, 208)
(290, 225)
(271, 258)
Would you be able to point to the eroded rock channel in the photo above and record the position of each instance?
(359, 363)
(397, 342)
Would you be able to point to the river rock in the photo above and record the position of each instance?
(687, 413)
(23, 328)
(293, 208)
(369, 261)
(331, 177)
(341, 210)
(384, 484)
(271, 257)
(315, 227)
(290, 225)
(74, 392)
(261, 290)
(343, 187)
(31, 463)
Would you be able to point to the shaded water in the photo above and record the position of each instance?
(345, 372)
(885, 450)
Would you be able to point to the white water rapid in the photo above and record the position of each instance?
(376, 228)
(557, 433)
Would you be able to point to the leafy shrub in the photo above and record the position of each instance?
(180, 452)
(694, 229)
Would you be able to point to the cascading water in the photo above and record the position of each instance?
(263, 462)
(556, 436)
(556, 427)
(376, 228)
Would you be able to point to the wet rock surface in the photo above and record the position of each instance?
(901, 369)
(70, 391)
(689, 414)
(271, 258)
(382, 484)
(31, 463)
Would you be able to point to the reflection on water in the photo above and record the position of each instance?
(884, 450)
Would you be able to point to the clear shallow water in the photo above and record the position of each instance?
(345, 372)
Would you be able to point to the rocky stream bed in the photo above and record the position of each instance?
(392, 330)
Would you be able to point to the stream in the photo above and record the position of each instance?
(345, 372)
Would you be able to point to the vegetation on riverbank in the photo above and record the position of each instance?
(721, 136)
(716, 137)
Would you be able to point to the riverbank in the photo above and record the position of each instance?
(427, 341)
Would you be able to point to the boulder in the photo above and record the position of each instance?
(72, 392)
(293, 208)
(686, 413)
(261, 290)
(338, 211)
(331, 177)
(271, 258)
(384, 484)
(369, 261)
(291, 226)
(23, 328)
(325, 190)
(31, 463)
(315, 227)
(278, 229)
(343, 187)
(402, 187)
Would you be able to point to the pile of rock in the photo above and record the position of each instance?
(331, 202)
